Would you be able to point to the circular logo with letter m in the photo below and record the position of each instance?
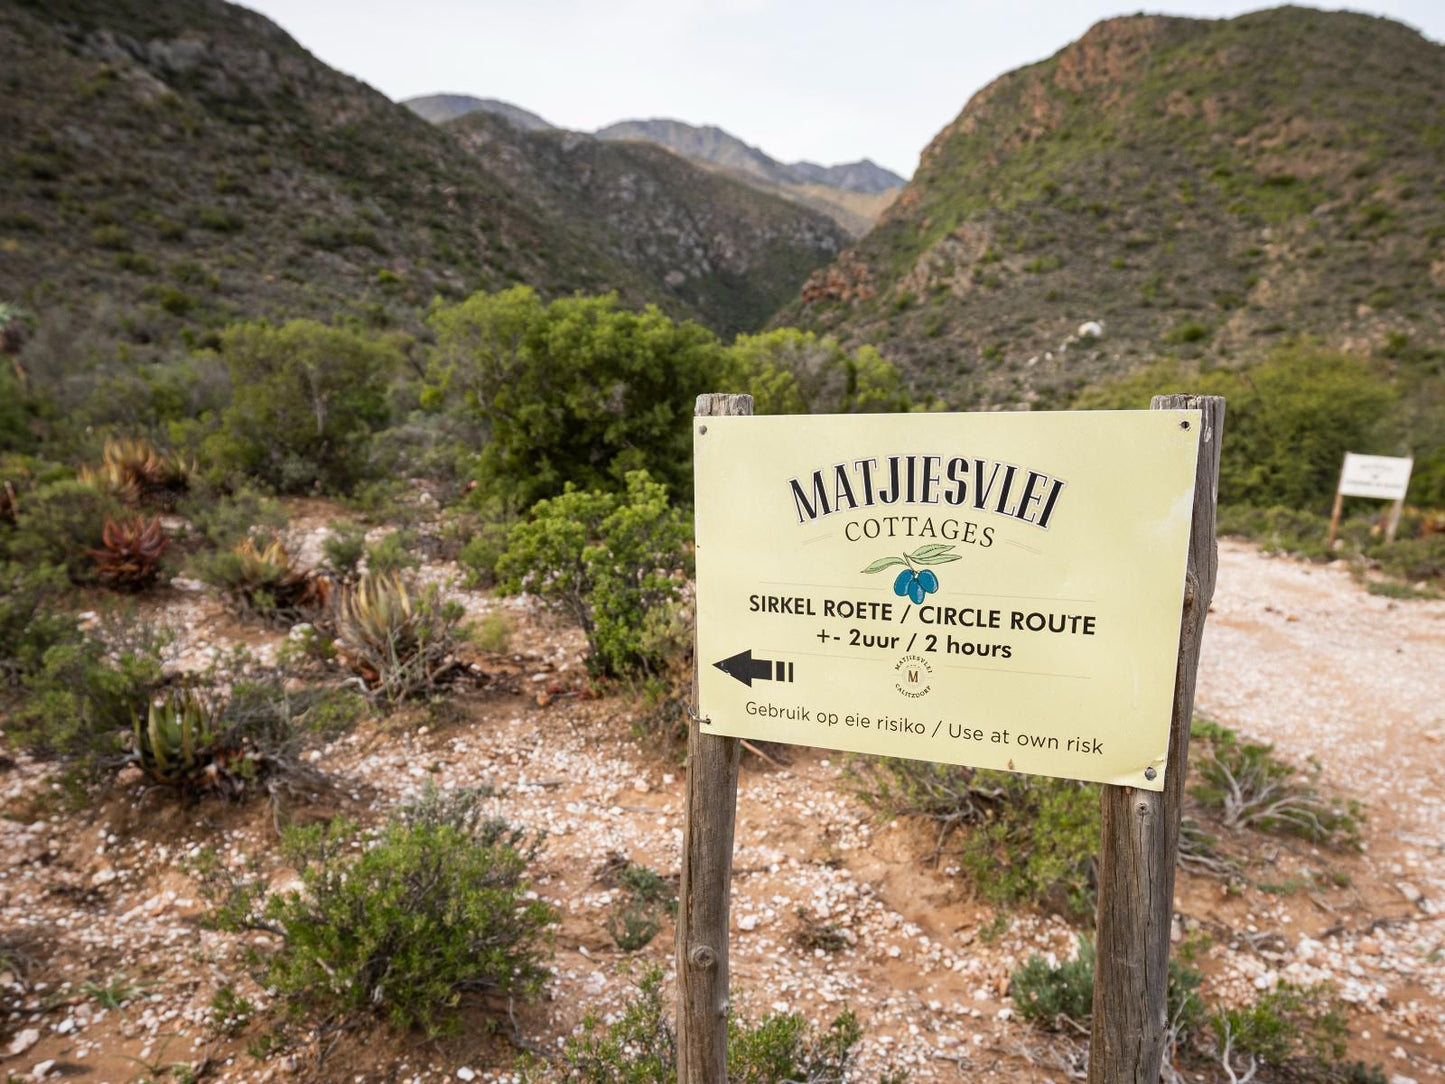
(914, 676)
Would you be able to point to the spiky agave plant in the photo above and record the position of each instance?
(400, 639)
(182, 744)
(132, 552)
(261, 577)
(137, 473)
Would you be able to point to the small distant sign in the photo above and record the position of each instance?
(1384, 477)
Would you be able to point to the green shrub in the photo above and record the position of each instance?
(493, 633)
(479, 555)
(226, 520)
(1289, 420)
(305, 400)
(578, 390)
(1044, 992)
(56, 524)
(607, 561)
(639, 1047)
(1252, 788)
(435, 912)
(646, 899)
(343, 548)
(1299, 1029)
(1049, 995)
(81, 701)
(1412, 558)
(788, 371)
(32, 619)
(391, 553)
(1021, 839)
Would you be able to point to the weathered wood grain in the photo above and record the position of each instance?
(705, 891)
(1140, 844)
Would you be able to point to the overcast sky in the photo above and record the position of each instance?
(824, 80)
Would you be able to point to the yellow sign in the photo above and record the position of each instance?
(999, 590)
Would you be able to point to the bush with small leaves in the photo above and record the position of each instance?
(305, 400)
(32, 618)
(1296, 1031)
(1252, 788)
(607, 561)
(59, 524)
(81, 700)
(1055, 996)
(392, 553)
(433, 913)
(343, 548)
(640, 1047)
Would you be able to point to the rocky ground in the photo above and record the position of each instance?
(120, 973)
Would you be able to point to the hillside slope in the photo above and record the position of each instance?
(715, 245)
(1203, 188)
(169, 167)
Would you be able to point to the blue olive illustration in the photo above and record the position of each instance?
(928, 581)
(903, 585)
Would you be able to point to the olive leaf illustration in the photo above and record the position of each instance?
(911, 582)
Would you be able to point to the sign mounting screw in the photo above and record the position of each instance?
(1150, 773)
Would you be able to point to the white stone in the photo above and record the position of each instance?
(465, 1073)
(23, 1042)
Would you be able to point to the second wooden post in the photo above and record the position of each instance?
(1140, 844)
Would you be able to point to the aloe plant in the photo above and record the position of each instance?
(399, 638)
(131, 553)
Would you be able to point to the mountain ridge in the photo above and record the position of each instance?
(1203, 189)
(852, 193)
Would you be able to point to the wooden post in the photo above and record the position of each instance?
(707, 862)
(1140, 842)
(1393, 524)
(1335, 516)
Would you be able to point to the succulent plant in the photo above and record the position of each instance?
(261, 577)
(132, 552)
(401, 640)
(181, 744)
(136, 473)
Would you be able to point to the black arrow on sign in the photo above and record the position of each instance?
(748, 669)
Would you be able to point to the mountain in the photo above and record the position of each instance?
(168, 168)
(719, 247)
(713, 145)
(443, 107)
(854, 193)
(1202, 189)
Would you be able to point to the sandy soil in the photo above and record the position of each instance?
(1298, 655)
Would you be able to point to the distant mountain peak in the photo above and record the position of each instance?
(717, 146)
(438, 108)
